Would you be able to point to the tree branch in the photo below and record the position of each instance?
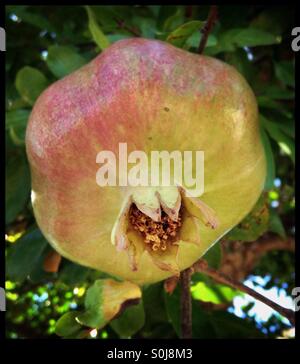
(239, 259)
(211, 19)
(186, 304)
(202, 266)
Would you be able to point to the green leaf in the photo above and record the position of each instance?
(172, 302)
(72, 273)
(202, 327)
(94, 315)
(130, 321)
(194, 40)
(67, 326)
(254, 225)
(286, 143)
(63, 60)
(269, 160)
(17, 183)
(288, 127)
(105, 299)
(108, 16)
(17, 135)
(155, 9)
(25, 254)
(180, 35)
(285, 72)
(252, 37)
(205, 289)
(276, 225)
(146, 26)
(213, 256)
(154, 305)
(242, 37)
(15, 123)
(15, 104)
(34, 19)
(97, 34)
(278, 93)
(229, 326)
(173, 21)
(164, 13)
(30, 82)
(225, 42)
(285, 124)
(212, 292)
(268, 103)
(16, 118)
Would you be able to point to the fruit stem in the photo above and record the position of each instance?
(186, 304)
(210, 22)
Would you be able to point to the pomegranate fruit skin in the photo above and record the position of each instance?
(153, 96)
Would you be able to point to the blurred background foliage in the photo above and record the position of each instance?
(45, 43)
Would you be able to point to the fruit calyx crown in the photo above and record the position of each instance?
(154, 220)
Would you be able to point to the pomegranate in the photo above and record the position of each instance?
(154, 97)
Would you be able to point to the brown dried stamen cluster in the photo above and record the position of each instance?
(157, 234)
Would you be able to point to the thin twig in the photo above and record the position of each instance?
(189, 11)
(122, 25)
(202, 266)
(186, 305)
(210, 22)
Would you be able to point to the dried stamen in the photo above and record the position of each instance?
(157, 235)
